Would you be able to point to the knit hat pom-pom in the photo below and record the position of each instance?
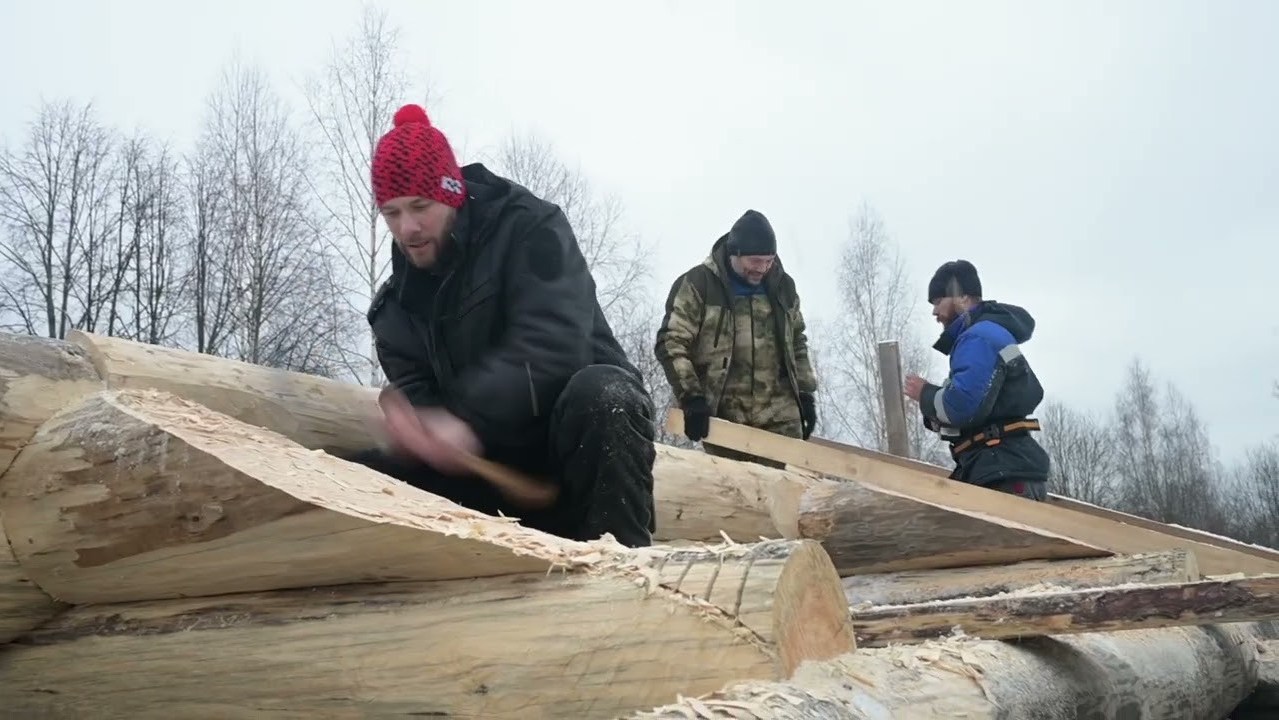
(411, 114)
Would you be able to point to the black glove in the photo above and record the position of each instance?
(697, 417)
(807, 413)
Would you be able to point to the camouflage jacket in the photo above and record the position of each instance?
(696, 338)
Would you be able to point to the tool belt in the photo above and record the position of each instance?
(992, 435)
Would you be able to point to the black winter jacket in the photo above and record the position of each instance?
(494, 332)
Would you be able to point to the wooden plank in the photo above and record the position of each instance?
(1129, 607)
(904, 588)
(890, 376)
(610, 637)
(1086, 529)
(1195, 673)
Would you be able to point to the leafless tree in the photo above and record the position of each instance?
(876, 303)
(618, 258)
(352, 101)
(54, 209)
(1253, 500)
(278, 265)
(1082, 452)
(1164, 457)
(147, 291)
(212, 254)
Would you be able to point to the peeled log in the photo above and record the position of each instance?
(1198, 673)
(698, 496)
(1095, 534)
(902, 588)
(138, 495)
(312, 411)
(609, 637)
(37, 377)
(867, 530)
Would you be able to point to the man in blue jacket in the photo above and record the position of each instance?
(983, 408)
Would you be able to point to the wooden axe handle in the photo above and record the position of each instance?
(516, 486)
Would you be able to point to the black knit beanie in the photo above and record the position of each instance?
(955, 278)
(752, 235)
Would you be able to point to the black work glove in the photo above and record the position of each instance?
(807, 414)
(697, 417)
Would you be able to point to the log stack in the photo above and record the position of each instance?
(181, 543)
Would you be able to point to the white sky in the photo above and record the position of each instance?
(1113, 167)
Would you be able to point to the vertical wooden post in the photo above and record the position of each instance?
(890, 374)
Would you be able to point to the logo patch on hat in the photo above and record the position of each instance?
(451, 185)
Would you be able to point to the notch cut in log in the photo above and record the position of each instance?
(1087, 530)
(1199, 673)
(38, 376)
(904, 588)
(1109, 609)
(137, 495)
(614, 636)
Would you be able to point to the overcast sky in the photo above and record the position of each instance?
(1112, 167)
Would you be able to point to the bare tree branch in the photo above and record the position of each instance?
(351, 102)
(876, 303)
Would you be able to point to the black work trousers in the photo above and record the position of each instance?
(598, 447)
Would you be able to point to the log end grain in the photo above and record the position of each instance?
(812, 620)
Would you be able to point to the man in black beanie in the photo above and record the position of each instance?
(983, 408)
(732, 341)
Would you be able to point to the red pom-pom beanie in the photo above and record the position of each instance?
(414, 158)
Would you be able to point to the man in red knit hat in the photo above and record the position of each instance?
(489, 326)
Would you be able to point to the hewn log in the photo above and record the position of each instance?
(1090, 531)
(1196, 673)
(1196, 536)
(702, 497)
(864, 530)
(312, 411)
(867, 529)
(612, 636)
(1130, 607)
(136, 495)
(903, 588)
(37, 377)
(698, 497)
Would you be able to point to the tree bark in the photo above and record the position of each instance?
(1074, 611)
(609, 637)
(37, 377)
(1198, 673)
(903, 588)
